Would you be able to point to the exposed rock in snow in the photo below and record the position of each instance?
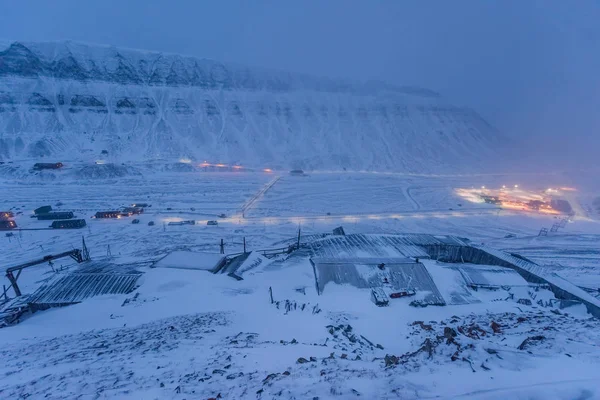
(77, 100)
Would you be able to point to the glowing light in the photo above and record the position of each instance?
(267, 170)
(503, 186)
(516, 186)
(100, 162)
(237, 167)
(483, 187)
(185, 160)
(220, 165)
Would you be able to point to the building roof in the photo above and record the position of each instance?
(366, 246)
(367, 275)
(75, 287)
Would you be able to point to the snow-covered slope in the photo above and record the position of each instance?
(74, 100)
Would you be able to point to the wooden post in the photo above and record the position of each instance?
(271, 294)
(222, 245)
(298, 246)
(244, 244)
(13, 282)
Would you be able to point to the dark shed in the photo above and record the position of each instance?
(42, 210)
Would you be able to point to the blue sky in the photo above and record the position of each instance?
(529, 66)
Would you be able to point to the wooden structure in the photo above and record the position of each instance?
(13, 273)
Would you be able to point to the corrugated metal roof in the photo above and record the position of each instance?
(366, 246)
(366, 276)
(76, 287)
(490, 276)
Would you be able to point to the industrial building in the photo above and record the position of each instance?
(6, 215)
(7, 225)
(42, 210)
(68, 224)
(108, 214)
(55, 215)
(133, 210)
(439, 269)
(41, 166)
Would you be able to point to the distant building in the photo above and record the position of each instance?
(133, 210)
(491, 199)
(108, 214)
(6, 215)
(55, 215)
(42, 210)
(69, 224)
(339, 231)
(41, 166)
(7, 225)
(297, 172)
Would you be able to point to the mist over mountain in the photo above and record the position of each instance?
(72, 101)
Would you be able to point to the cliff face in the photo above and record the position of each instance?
(72, 101)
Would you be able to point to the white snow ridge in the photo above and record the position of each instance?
(76, 100)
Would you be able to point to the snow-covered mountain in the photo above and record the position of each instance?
(70, 101)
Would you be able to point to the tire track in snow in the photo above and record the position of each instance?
(416, 205)
(258, 195)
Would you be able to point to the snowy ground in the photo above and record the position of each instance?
(191, 334)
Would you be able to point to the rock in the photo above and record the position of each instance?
(344, 356)
(390, 360)
(286, 373)
(423, 326)
(294, 341)
(495, 327)
(521, 319)
(525, 302)
(302, 360)
(313, 359)
(530, 340)
(269, 378)
(449, 334)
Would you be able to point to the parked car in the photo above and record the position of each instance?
(212, 223)
(151, 223)
(135, 221)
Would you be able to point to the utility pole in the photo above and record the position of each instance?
(222, 247)
(298, 245)
(244, 244)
